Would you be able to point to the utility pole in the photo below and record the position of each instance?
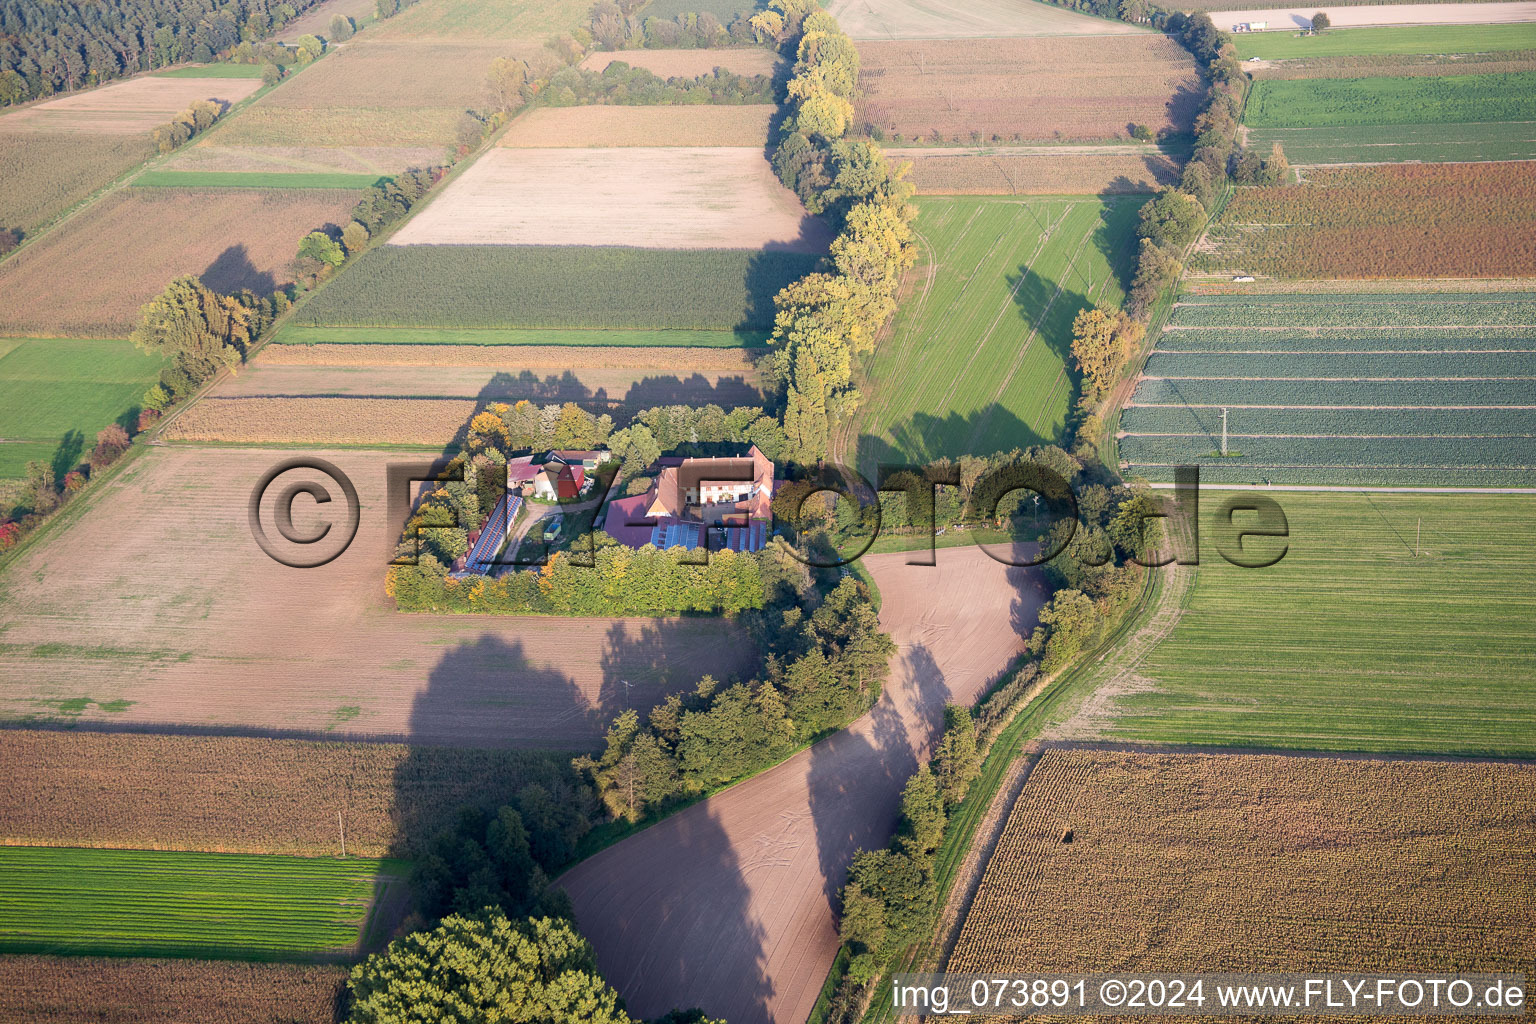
(342, 826)
(1223, 431)
(626, 693)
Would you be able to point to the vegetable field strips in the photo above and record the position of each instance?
(1367, 389)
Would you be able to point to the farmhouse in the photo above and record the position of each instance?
(719, 503)
(553, 475)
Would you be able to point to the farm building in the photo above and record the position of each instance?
(718, 503)
(554, 475)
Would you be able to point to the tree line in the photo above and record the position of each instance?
(323, 251)
(197, 118)
(51, 47)
(617, 25)
(827, 317)
(623, 85)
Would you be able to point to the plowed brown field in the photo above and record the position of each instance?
(154, 607)
(1259, 863)
(728, 905)
(1059, 88)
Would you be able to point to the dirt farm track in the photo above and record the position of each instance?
(728, 905)
(154, 608)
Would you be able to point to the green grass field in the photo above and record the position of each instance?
(213, 71)
(975, 362)
(167, 903)
(1394, 143)
(55, 394)
(295, 335)
(1365, 42)
(556, 287)
(1447, 99)
(1351, 642)
(254, 179)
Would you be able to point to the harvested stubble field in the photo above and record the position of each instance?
(305, 159)
(1351, 642)
(1196, 862)
(497, 286)
(507, 336)
(45, 173)
(603, 126)
(742, 60)
(317, 20)
(234, 794)
(260, 126)
(728, 903)
(659, 198)
(152, 606)
(175, 903)
(478, 20)
(135, 106)
(371, 93)
(122, 250)
(966, 19)
(252, 179)
(1405, 220)
(1451, 39)
(1040, 170)
(1066, 89)
(56, 394)
(43, 990)
(371, 421)
(371, 73)
(514, 357)
(213, 70)
(975, 360)
(1366, 389)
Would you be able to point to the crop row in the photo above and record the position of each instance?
(1348, 339)
(1451, 99)
(556, 286)
(1516, 454)
(1206, 421)
(1318, 365)
(1359, 310)
(1336, 393)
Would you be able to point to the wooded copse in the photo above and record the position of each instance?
(197, 118)
(825, 661)
(825, 318)
(47, 48)
(322, 252)
(619, 26)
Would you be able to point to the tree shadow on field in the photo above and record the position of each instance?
(67, 455)
(674, 921)
(233, 270)
(772, 268)
(923, 438)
